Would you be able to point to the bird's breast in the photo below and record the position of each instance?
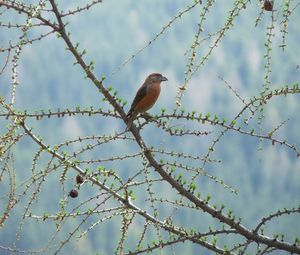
(149, 99)
(154, 90)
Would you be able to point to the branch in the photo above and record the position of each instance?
(277, 214)
(121, 199)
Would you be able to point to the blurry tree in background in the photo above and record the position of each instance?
(135, 186)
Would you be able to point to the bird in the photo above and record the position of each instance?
(145, 97)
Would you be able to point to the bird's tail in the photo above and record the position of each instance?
(130, 113)
(130, 118)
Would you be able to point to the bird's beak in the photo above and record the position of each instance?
(163, 78)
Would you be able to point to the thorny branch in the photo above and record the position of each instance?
(127, 209)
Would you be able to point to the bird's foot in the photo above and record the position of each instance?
(147, 116)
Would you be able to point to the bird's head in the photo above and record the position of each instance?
(156, 77)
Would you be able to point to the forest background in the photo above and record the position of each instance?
(265, 177)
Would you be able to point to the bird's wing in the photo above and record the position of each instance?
(141, 93)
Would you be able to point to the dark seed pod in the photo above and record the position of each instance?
(73, 193)
(79, 179)
(268, 5)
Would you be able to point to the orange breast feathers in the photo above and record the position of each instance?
(152, 93)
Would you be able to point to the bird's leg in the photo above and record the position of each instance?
(146, 116)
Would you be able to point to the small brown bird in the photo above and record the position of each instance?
(145, 97)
